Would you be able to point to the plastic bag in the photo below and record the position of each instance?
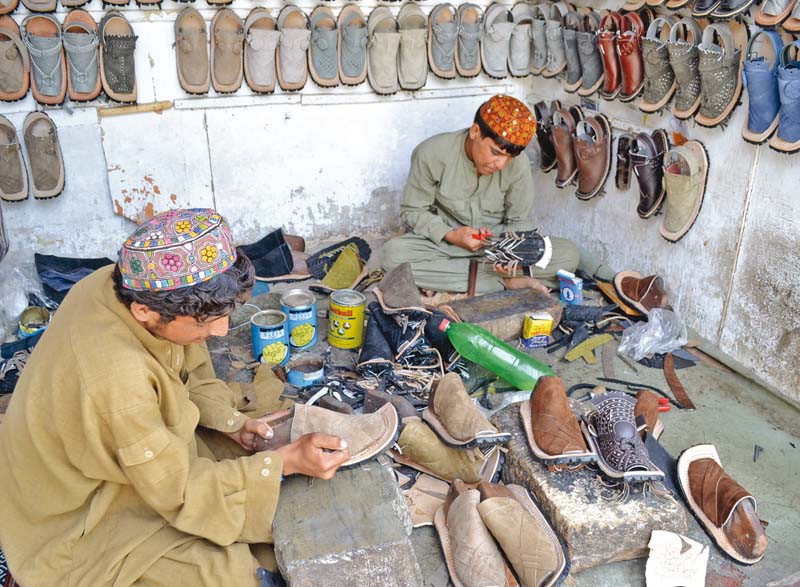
(663, 332)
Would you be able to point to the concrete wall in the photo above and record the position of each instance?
(332, 162)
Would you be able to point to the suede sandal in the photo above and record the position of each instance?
(519, 54)
(352, 45)
(456, 420)
(292, 53)
(117, 49)
(261, 38)
(470, 32)
(227, 47)
(684, 58)
(43, 153)
(539, 38)
(8, 6)
(13, 177)
(81, 48)
(383, 48)
(412, 58)
(41, 34)
(720, 75)
(685, 178)
(787, 139)
(659, 79)
(727, 511)
(191, 52)
(554, 35)
(592, 74)
(442, 40)
(323, 52)
(498, 28)
(552, 430)
(761, 80)
(15, 64)
(773, 12)
(643, 293)
(527, 540)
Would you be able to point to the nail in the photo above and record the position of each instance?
(343, 445)
(269, 434)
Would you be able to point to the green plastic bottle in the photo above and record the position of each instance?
(481, 347)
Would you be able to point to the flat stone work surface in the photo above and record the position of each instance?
(502, 313)
(353, 531)
(595, 531)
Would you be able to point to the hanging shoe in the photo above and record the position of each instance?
(81, 47)
(787, 139)
(41, 34)
(685, 177)
(592, 144)
(564, 123)
(592, 74)
(13, 177)
(261, 37)
(647, 160)
(761, 80)
(629, 49)
(117, 52)
(470, 32)
(15, 64)
(544, 133)
(43, 153)
(684, 58)
(659, 79)
(610, 27)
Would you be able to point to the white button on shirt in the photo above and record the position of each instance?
(267, 461)
(148, 454)
(265, 472)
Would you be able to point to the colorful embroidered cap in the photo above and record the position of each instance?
(509, 118)
(176, 249)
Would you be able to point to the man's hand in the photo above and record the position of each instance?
(316, 455)
(464, 237)
(252, 435)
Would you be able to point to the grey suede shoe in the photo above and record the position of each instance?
(412, 64)
(80, 46)
(592, 75)
(659, 79)
(44, 156)
(554, 33)
(117, 66)
(520, 45)
(323, 52)
(227, 47)
(13, 178)
(684, 60)
(261, 37)
(720, 75)
(352, 45)
(498, 26)
(384, 43)
(470, 31)
(442, 38)
(538, 28)
(291, 55)
(573, 24)
(41, 34)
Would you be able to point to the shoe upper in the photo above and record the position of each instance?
(555, 427)
(715, 491)
(420, 444)
(761, 80)
(454, 409)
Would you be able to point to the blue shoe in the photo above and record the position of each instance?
(761, 80)
(787, 138)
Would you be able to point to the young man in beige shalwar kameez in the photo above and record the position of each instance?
(105, 481)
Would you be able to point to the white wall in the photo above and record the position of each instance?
(332, 162)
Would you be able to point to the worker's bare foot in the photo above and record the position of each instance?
(525, 283)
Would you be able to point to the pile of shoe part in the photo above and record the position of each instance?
(579, 147)
(76, 58)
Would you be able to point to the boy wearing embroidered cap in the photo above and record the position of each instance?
(107, 480)
(467, 183)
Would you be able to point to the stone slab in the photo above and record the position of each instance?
(596, 531)
(502, 312)
(353, 530)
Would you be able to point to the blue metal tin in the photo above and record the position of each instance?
(270, 337)
(305, 371)
(301, 308)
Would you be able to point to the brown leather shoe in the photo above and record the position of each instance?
(629, 47)
(521, 530)
(551, 428)
(592, 145)
(610, 28)
(643, 293)
(564, 123)
(726, 510)
(647, 159)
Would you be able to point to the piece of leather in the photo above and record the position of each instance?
(629, 48)
(420, 444)
(607, 38)
(648, 291)
(397, 291)
(562, 140)
(646, 407)
(375, 399)
(714, 490)
(675, 384)
(454, 409)
(591, 154)
(555, 427)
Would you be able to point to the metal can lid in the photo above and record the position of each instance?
(348, 297)
(297, 298)
(268, 318)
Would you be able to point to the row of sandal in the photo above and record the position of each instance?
(78, 58)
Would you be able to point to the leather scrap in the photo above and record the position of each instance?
(586, 349)
(607, 357)
(674, 383)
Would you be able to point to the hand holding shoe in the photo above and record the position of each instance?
(316, 455)
(252, 435)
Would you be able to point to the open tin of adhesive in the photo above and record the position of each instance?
(305, 370)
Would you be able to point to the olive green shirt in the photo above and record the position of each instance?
(98, 457)
(444, 191)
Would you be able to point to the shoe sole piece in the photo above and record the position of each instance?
(578, 459)
(606, 96)
(487, 439)
(656, 106)
(633, 6)
(571, 88)
(707, 451)
(629, 97)
(674, 237)
(383, 444)
(589, 91)
(488, 474)
(783, 146)
(553, 73)
(792, 25)
(637, 476)
(758, 138)
(712, 122)
(675, 4)
(568, 181)
(609, 138)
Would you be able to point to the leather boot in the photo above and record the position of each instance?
(610, 27)
(592, 144)
(564, 123)
(629, 47)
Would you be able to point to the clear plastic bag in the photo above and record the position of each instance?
(663, 332)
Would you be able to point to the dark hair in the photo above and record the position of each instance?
(487, 132)
(215, 297)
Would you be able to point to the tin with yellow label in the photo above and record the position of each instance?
(536, 329)
(301, 307)
(346, 319)
(270, 337)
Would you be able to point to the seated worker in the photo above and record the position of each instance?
(465, 183)
(105, 481)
